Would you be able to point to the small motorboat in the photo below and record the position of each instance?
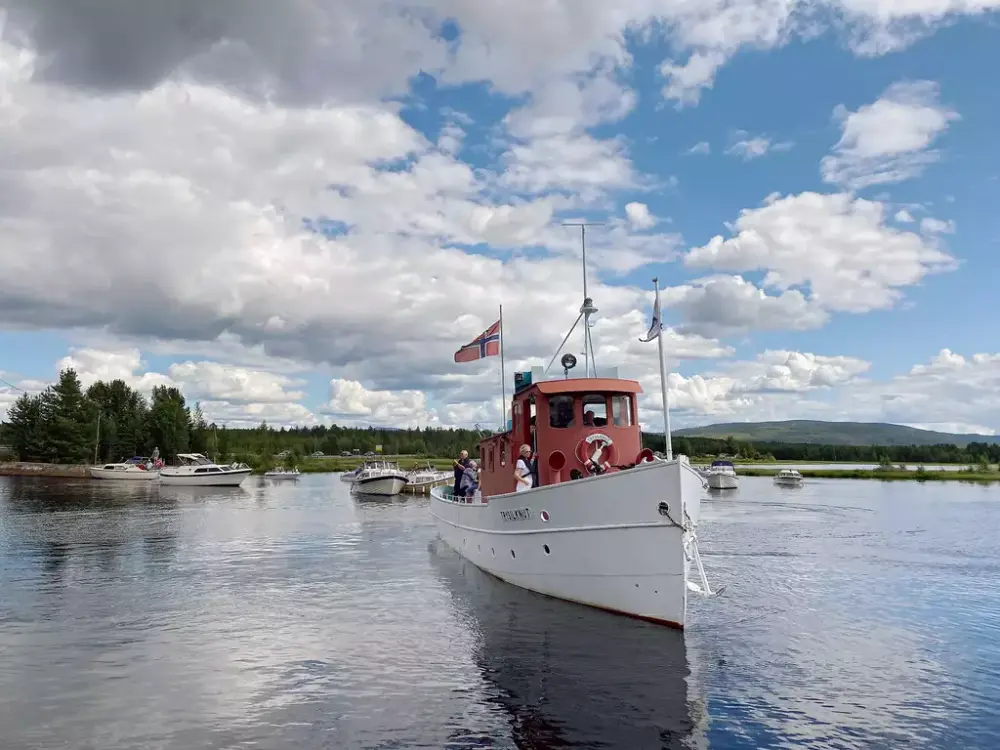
(137, 468)
(721, 475)
(423, 480)
(380, 478)
(197, 470)
(292, 473)
(788, 478)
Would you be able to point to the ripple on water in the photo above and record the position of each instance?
(856, 615)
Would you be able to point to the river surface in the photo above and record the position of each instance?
(856, 614)
(845, 466)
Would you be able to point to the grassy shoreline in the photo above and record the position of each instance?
(329, 465)
(891, 475)
(305, 465)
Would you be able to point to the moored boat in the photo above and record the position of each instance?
(197, 470)
(425, 479)
(604, 522)
(137, 468)
(721, 475)
(380, 478)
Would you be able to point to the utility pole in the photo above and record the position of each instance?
(97, 439)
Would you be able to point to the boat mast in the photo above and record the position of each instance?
(586, 309)
(668, 447)
(503, 380)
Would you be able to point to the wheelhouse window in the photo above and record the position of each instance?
(595, 411)
(621, 410)
(560, 411)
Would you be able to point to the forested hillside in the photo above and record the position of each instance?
(831, 433)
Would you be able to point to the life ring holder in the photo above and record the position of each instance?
(585, 451)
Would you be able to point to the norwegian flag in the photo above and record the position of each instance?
(486, 345)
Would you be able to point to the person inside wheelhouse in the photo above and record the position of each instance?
(562, 410)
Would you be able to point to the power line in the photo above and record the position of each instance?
(11, 385)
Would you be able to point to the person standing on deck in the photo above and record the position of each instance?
(470, 480)
(522, 470)
(460, 463)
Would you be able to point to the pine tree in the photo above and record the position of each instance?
(69, 421)
(24, 427)
(169, 422)
(198, 430)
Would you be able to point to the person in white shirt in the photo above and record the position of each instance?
(522, 469)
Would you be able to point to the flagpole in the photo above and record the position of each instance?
(663, 376)
(503, 380)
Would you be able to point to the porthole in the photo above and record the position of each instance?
(547, 550)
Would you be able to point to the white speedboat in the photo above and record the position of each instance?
(380, 478)
(788, 478)
(197, 470)
(135, 469)
(605, 523)
(283, 474)
(721, 475)
(423, 480)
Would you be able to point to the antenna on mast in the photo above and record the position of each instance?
(587, 308)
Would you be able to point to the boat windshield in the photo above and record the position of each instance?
(192, 459)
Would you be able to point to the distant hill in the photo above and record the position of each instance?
(831, 433)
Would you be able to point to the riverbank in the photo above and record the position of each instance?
(884, 475)
(55, 471)
(305, 466)
(328, 465)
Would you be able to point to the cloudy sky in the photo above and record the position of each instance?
(298, 211)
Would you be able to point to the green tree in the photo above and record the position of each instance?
(24, 428)
(198, 430)
(68, 421)
(124, 416)
(169, 422)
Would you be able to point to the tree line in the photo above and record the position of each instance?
(111, 421)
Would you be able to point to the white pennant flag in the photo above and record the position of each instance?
(655, 327)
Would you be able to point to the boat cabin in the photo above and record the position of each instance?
(576, 427)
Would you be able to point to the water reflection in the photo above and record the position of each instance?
(857, 615)
(568, 676)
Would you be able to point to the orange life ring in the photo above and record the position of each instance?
(599, 448)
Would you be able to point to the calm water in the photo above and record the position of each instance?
(857, 615)
(848, 467)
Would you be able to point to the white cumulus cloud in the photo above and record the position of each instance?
(889, 140)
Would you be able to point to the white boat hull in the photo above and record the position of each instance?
(613, 542)
(229, 478)
(426, 484)
(384, 485)
(132, 476)
(722, 481)
(785, 482)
